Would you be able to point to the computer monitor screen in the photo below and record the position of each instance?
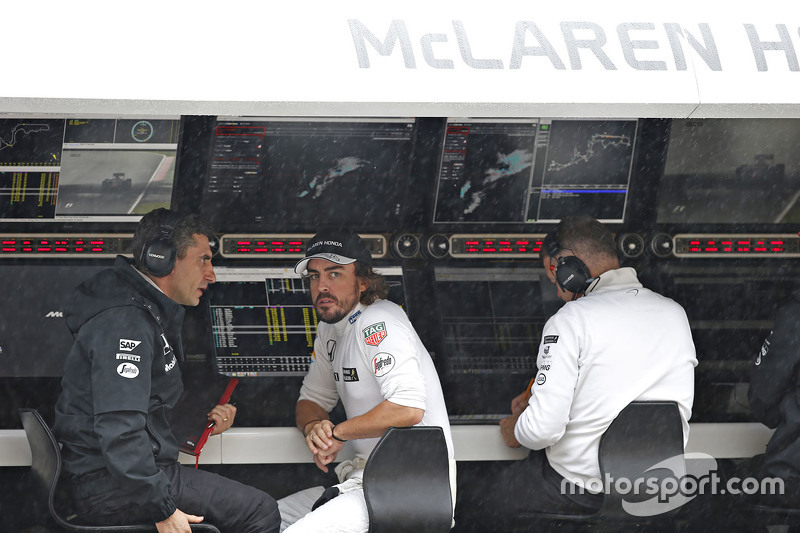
(259, 322)
(275, 174)
(731, 171)
(492, 324)
(534, 170)
(72, 169)
(34, 338)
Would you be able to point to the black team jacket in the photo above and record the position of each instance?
(121, 376)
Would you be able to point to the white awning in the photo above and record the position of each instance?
(625, 58)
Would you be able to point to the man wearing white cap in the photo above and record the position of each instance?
(368, 355)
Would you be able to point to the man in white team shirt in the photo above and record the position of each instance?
(613, 342)
(368, 355)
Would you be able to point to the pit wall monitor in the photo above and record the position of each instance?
(262, 322)
(731, 172)
(299, 174)
(504, 171)
(73, 169)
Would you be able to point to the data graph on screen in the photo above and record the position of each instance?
(534, 170)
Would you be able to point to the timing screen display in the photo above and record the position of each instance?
(263, 322)
(534, 170)
(272, 174)
(76, 169)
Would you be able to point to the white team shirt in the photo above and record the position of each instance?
(370, 356)
(618, 343)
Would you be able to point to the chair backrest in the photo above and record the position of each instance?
(407, 482)
(45, 459)
(46, 470)
(643, 435)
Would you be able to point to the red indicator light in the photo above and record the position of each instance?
(261, 250)
(9, 249)
(472, 250)
(98, 243)
(279, 250)
(277, 243)
(523, 243)
(43, 242)
(471, 243)
(78, 249)
(43, 249)
(294, 249)
(12, 243)
(694, 243)
(712, 249)
(61, 249)
(27, 250)
(523, 250)
(97, 249)
(243, 243)
(761, 249)
(242, 249)
(506, 250)
(489, 250)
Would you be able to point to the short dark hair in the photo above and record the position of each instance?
(378, 287)
(182, 235)
(587, 238)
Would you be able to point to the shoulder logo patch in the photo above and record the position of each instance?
(550, 339)
(382, 364)
(374, 334)
(128, 345)
(128, 370)
(349, 374)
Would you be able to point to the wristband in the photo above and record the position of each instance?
(307, 423)
(333, 434)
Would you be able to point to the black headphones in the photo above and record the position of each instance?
(159, 253)
(571, 273)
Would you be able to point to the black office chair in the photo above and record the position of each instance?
(407, 482)
(46, 470)
(642, 435)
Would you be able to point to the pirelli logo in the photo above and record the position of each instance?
(374, 334)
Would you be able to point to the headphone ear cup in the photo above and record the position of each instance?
(159, 256)
(572, 274)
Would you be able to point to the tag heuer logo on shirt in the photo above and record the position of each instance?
(374, 334)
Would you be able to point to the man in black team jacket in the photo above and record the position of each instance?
(775, 399)
(121, 377)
